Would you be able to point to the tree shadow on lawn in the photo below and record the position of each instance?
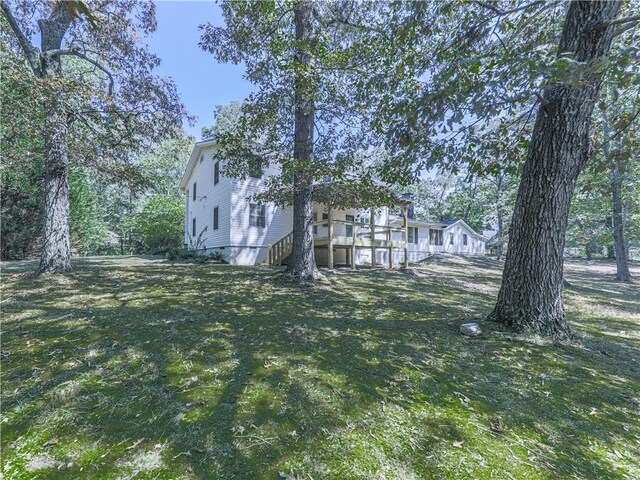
(226, 373)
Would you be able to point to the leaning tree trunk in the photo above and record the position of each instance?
(56, 254)
(302, 264)
(530, 297)
(622, 254)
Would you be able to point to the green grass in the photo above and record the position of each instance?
(136, 368)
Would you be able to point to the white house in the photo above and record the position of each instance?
(220, 217)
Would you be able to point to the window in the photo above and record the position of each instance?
(413, 234)
(216, 173)
(435, 236)
(201, 158)
(256, 215)
(349, 228)
(315, 219)
(325, 216)
(451, 239)
(255, 167)
(464, 239)
(193, 227)
(194, 191)
(215, 218)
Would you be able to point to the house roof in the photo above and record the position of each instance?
(450, 223)
(193, 160)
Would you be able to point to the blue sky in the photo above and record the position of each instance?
(202, 82)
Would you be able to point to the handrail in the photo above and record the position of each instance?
(279, 250)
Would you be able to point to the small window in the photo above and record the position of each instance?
(194, 191)
(451, 239)
(201, 158)
(349, 227)
(215, 218)
(325, 216)
(193, 227)
(216, 173)
(413, 234)
(464, 239)
(256, 215)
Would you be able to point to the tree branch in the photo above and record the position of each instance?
(497, 11)
(619, 21)
(75, 53)
(29, 50)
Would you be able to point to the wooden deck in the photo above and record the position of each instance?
(369, 238)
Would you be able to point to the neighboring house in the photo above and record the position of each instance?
(220, 218)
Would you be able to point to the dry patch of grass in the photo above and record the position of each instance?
(136, 368)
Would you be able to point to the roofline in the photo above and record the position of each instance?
(192, 162)
(473, 232)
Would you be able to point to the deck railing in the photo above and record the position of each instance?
(280, 250)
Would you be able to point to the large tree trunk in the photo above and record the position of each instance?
(530, 297)
(56, 254)
(302, 264)
(622, 254)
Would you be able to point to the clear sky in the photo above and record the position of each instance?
(202, 82)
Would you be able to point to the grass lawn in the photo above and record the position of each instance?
(136, 368)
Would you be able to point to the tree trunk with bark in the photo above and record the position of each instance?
(622, 254)
(56, 254)
(530, 297)
(302, 264)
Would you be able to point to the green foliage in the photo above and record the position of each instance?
(159, 227)
(89, 234)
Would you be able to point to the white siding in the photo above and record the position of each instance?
(250, 244)
(475, 246)
(208, 196)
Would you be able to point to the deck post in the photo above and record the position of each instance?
(330, 245)
(405, 227)
(353, 246)
(372, 226)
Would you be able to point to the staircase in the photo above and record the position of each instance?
(280, 250)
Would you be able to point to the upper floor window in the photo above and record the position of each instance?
(451, 239)
(412, 234)
(215, 218)
(464, 239)
(255, 167)
(194, 190)
(193, 227)
(256, 215)
(435, 236)
(202, 158)
(216, 173)
(348, 226)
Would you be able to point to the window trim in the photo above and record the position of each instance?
(194, 190)
(412, 235)
(349, 227)
(216, 172)
(437, 237)
(216, 217)
(258, 220)
(465, 239)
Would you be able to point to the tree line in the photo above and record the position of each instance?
(544, 92)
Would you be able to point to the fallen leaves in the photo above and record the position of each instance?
(51, 443)
(135, 444)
